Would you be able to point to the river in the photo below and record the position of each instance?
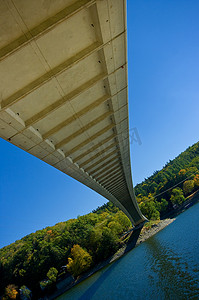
(166, 266)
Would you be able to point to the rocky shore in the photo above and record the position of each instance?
(153, 230)
(145, 234)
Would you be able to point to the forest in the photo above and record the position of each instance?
(39, 259)
(78, 243)
(168, 188)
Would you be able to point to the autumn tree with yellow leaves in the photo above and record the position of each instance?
(11, 292)
(80, 262)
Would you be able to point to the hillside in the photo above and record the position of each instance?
(168, 187)
(27, 261)
(81, 243)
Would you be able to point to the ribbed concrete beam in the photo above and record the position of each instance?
(94, 148)
(43, 27)
(93, 137)
(63, 68)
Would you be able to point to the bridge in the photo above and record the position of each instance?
(63, 89)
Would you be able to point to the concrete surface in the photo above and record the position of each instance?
(63, 69)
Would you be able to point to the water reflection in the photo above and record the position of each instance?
(89, 293)
(166, 266)
(170, 273)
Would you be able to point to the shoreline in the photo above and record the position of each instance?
(144, 236)
(135, 238)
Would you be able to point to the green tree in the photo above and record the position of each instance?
(149, 209)
(162, 205)
(94, 241)
(52, 274)
(123, 220)
(115, 227)
(80, 262)
(191, 171)
(108, 244)
(25, 292)
(195, 162)
(177, 197)
(188, 187)
(196, 181)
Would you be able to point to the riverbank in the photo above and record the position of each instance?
(144, 235)
(154, 227)
(131, 240)
(163, 267)
(190, 200)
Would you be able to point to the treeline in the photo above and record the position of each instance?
(78, 243)
(37, 259)
(168, 188)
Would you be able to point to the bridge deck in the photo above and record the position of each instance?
(63, 68)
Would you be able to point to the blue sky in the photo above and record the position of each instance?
(163, 64)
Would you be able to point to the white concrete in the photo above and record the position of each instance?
(63, 68)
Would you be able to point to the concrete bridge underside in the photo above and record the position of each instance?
(63, 69)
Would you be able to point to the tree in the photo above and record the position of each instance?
(195, 162)
(162, 205)
(177, 197)
(191, 171)
(94, 241)
(196, 181)
(11, 291)
(52, 274)
(115, 227)
(123, 220)
(24, 291)
(108, 244)
(80, 262)
(149, 209)
(182, 173)
(188, 186)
